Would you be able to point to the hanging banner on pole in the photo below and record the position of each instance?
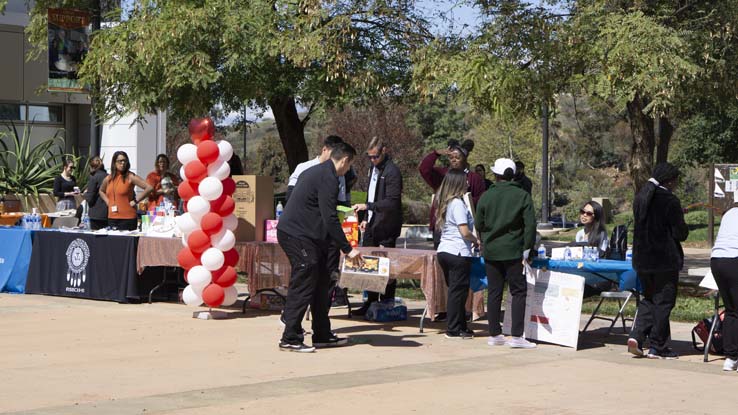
(68, 37)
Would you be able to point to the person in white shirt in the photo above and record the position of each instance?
(593, 233)
(456, 223)
(724, 266)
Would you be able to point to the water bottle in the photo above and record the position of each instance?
(541, 251)
(567, 254)
(280, 208)
(629, 255)
(35, 220)
(25, 222)
(85, 222)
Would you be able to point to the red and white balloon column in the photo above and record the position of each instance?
(208, 225)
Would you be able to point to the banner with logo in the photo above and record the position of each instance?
(15, 256)
(83, 265)
(68, 37)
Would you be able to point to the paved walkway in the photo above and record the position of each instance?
(66, 356)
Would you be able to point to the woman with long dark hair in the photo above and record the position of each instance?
(117, 190)
(97, 210)
(456, 224)
(593, 232)
(65, 187)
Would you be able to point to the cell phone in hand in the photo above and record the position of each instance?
(76, 189)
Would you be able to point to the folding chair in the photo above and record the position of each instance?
(622, 298)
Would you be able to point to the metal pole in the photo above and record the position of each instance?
(244, 134)
(544, 168)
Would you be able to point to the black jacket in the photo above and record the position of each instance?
(311, 213)
(657, 237)
(387, 206)
(97, 207)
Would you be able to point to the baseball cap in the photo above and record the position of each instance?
(501, 165)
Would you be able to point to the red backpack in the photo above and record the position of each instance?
(702, 331)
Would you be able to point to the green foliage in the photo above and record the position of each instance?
(28, 170)
(710, 137)
(271, 161)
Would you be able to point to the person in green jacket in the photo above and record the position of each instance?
(506, 221)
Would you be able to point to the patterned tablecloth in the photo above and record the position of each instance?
(268, 267)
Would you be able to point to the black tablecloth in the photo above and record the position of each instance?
(84, 266)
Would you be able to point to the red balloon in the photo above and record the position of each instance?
(207, 152)
(201, 129)
(211, 223)
(198, 241)
(188, 259)
(213, 295)
(196, 171)
(229, 186)
(225, 277)
(228, 207)
(231, 257)
(187, 190)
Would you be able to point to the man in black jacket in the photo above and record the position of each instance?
(304, 232)
(382, 220)
(97, 210)
(659, 228)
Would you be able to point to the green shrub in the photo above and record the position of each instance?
(29, 170)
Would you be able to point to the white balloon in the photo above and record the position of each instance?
(223, 240)
(186, 223)
(190, 297)
(199, 278)
(212, 259)
(182, 174)
(231, 295)
(186, 153)
(184, 240)
(197, 207)
(230, 222)
(220, 170)
(226, 151)
(210, 188)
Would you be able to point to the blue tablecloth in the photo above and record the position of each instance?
(15, 257)
(594, 271)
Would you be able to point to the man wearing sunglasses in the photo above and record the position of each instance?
(381, 215)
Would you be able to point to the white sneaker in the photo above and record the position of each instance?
(520, 343)
(730, 364)
(498, 340)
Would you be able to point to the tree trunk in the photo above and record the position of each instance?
(665, 132)
(291, 129)
(641, 156)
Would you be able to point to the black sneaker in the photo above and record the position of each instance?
(440, 317)
(296, 347)
(468, 333)
(666, 353)
(360, 312)
(458, 335)
(635, 348)
(333, 341)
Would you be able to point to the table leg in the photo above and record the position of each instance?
(715, 319)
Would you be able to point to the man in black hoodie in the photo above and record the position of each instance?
(659, 228)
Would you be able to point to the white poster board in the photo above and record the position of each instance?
(553, 307)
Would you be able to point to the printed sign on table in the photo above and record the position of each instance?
(553, 307)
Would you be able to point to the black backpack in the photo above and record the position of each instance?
(619, 242)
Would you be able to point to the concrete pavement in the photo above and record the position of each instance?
(68, 356)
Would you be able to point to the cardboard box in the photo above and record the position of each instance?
(271, 230)
(254, 197)
(373, 275)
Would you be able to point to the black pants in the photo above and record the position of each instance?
(725, 271)
(456, 271)
(389, 292)
(497, 273)
(96, 224)
(333, 262)
(309, 281)
(124, 224)
(659, 297)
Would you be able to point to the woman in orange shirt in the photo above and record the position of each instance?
(164, 183)
(117, 190)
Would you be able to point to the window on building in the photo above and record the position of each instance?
(11, 112)
(45, 113)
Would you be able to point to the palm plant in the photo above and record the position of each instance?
(28, 170)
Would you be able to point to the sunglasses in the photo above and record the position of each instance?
(586, 212)
(373, 157)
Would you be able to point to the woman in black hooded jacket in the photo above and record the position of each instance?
(657, 257)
